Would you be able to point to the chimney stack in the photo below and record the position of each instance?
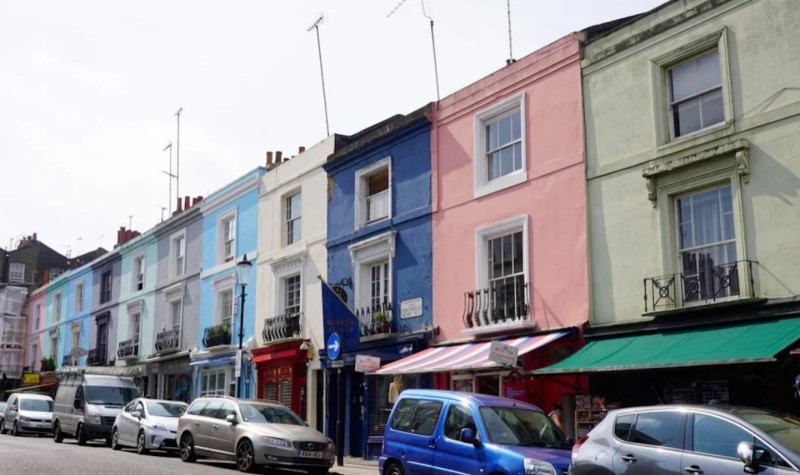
(180, 202)
(278, 157)
(301, 149)
(186, 202)
(269, 158)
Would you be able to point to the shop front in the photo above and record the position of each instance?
(215, 375)
(746, 362)
(170, 377)
(281, 370)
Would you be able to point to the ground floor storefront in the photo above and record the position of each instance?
(281, 375)
(215, 374)
(170, 377)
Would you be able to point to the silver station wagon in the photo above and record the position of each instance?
(253, 433)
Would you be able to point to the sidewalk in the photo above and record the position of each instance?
(355, 466)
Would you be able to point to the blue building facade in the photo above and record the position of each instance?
(380, 258)
(78, 312)
(230, 232)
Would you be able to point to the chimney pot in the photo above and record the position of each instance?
(34, 236)
(278, 157)
(301, 149)
(180, 202)
(269, 158)
(185, 202)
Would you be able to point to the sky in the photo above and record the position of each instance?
(89, 91)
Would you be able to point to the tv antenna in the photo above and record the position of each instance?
(433, 42)
(178, 158)
(510, 51)
(169, 174)
(163, 208)
(315, 26)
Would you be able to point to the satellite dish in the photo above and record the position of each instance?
(77, 352)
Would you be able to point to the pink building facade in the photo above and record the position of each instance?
(509, 216)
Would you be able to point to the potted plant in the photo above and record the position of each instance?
(382, 321)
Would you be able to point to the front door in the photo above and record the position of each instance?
(452, 456)
(654, 445)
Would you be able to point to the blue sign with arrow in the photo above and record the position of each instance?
(334, 346)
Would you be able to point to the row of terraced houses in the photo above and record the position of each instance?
(620, 205)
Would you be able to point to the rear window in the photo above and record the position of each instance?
(661, 429)
(622, 426)
(416, 416)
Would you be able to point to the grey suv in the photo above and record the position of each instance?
(677, 439)
(252, 433)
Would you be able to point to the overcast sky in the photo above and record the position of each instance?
(88, 91)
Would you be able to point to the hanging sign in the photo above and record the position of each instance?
(502, 354)
(367, 364)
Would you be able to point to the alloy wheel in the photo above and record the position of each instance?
(140, 443)
(16, 430)
(58, 437)
(187, 448)
(115, 440)
(245, 456)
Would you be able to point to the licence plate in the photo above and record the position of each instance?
(43, 424)
(309, 455)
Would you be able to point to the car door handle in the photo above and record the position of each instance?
(196, 423)
(628, 458)
(693, 469)
(216, 426)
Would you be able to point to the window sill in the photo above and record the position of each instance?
(370, 223)
(696, 138)
(498, 184)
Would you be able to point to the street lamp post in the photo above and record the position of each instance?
(243, 268)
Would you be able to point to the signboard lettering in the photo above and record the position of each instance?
(367, 364)
(30, 378)
(411, 308)
(502, 354)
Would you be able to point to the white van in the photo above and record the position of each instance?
(86, 405)
(28, 414)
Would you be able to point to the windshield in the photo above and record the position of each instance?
(782, 427)
(518, 426)
(166, 409)
(38, 405)
(110, 395)
(269, 413)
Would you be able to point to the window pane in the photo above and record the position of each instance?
(711, 108)
(505, 130)
(491, 136)
(458, 418)
(425, 417)
(210, 410)
(707, 72)
(494, 165)
(226, 410)
(681, 84)
(508, 160)
(715, 436)
(517, 156)
(516, 125)
(658, 428)
(508, 254)
(686, 117)
(401, 420)
(622, 426)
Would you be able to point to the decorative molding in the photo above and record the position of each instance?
(289, 263)
(739, 148)
(174, 292)
(381, 244)
(225, 282)
(76, 325)
(137, 306)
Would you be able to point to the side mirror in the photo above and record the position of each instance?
(746, 452)
(136, 414)
(467, 435)
(231, 418)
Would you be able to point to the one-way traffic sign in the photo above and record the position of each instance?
(334, 346)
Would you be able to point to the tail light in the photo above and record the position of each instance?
(577, 446)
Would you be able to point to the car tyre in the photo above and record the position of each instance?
(141, 444)
(394, 468)
(15, 433)
(3, 427)
(115, 440)
(187, 448)
(80, 434)
(58, 436)
(245, 457)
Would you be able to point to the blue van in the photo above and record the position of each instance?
(447, 432)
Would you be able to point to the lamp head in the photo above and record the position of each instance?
(243, 268)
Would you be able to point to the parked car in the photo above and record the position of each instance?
(448, 432)
(2, 414)
(252, 433)
(147, 424)
(679, 439)
(87, 405)
(28, 413)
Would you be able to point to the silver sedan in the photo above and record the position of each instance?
(147, 424)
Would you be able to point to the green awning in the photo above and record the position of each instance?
(752, 342)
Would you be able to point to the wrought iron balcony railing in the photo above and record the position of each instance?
(128, 348)
(168, 340)
(499, 304)
(218, 335)
(97, 356)
(282, 327)
(706, 284)
(375, 320)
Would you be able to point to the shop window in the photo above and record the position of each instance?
(212, 382)
(662, 429)
(285, 393)
(463, 383)
(271, 391)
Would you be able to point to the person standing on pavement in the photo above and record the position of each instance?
(556, 416)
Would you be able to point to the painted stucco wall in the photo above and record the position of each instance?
(55, 318)
(409, 151)
(552, 197)
(142, 245)
(190, 223)
(110, 262)
(628, 234)
(37, 335)
(78, 319)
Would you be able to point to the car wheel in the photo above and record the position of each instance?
(80, 435)
(187, 448)
(58, 437)
(394, 468)
(141, 444)
(3, 427)
(245, 456)
(318, 471)
(115, 440)
(15, 432)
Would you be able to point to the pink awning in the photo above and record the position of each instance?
(459, 357)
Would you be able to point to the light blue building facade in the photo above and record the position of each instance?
(230, 232)
(78, 307)
(57, 295)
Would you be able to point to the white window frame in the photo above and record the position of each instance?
(219, 303)
(365, 253)
(204, 377)
(138, 270)
(221, 226)
(482, 185)
(462, 377)
(661, 98)
(16, 273)
(361, 184)
(54, 345)
(37, 313)
(76, 330)
(177, 270)
(218, 286)
(286, 267)
(298, 221)
(57, 307)
(482, 237)
(688, 181)
(283, 290)
(173, 325)
(79, 286)
(55, 272)
(134, 329)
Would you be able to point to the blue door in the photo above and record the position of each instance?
(452, 456)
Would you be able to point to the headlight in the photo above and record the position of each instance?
(159, 427)
(94, 418)
(275, 442)
(533, 466)
(24, 419)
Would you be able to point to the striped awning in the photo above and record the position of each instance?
(460, 357)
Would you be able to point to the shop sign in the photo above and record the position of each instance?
(30, 378)
(411, 308)
(502, 354)
(238, 367)
(367, 364)
(337, 364)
